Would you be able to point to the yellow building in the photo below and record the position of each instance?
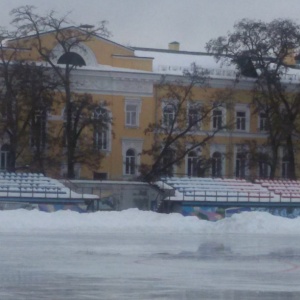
(127, 80)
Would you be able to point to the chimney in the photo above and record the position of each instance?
(174, 46)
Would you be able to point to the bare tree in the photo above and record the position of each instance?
(184, 125)
(88, 117)
(32, 27)
(37, 86)
(261, 50)
(25, 88)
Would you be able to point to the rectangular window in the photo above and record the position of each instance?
(101, 139)
(217, 119)
(168, 115)
(131, 115)
(240, 166)
(263, 121)
(130, 165)
(194, 116)
(241, 120)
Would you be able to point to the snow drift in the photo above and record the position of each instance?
(134, 220)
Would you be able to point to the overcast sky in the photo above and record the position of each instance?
(155, 23)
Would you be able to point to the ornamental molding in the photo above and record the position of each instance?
(81, 49)
(105, 82)
(130, 143)
(217, 148)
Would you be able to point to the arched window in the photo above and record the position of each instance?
(240, 165)
(5, 157)
(216, 164)
(168, 115)
(101, 130)
(192, 164)
(130, 162)
(71, 58)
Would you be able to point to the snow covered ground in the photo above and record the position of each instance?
(144, 255)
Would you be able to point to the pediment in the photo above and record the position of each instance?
(92, 52)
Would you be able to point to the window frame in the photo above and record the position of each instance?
(242, 123)
(216, 164)
(240, 120)
(192, 164)
(130, 162)
(262, 122)
(168, 117)
(132, 116)
(5, 156)
(101, 136)
(195, 108)
(240, 165)
(217, 119)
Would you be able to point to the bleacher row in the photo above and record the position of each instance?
(34, 185)
(235, 190)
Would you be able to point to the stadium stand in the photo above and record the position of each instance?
(24, 186)
(231, 190)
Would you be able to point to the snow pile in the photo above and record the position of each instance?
(135, 221)
(258, 222)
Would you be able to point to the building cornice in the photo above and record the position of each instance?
(113, 82)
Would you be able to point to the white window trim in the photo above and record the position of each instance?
(134, 159)
(81, 49)
(198, 104)
(137, 146)
(221, 149)
(263, 150)
(165, 103)
(239, 149)
(224, 117)
(109, 134)
(258, 122)
(246, 109)
(198, 152)
(138, 104)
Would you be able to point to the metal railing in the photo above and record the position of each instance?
(238, 196)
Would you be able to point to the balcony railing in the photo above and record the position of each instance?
(216, 72)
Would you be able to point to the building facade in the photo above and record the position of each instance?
(128, 80)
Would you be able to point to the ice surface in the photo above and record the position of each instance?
(144, 255)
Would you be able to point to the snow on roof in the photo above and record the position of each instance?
(100, 67)
(175, 62)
